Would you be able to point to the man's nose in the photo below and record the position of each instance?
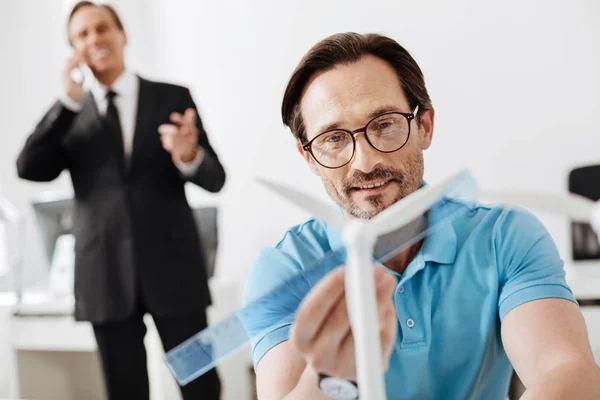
(92, 39)
(366, 156)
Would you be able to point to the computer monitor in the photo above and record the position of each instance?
(54, 218)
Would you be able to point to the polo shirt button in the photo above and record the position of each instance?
(401, 289)
(410, 323)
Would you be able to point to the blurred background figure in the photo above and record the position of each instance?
(130, 145)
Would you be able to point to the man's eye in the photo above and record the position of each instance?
(334, 138)
(384, 124)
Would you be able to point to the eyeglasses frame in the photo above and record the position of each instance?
(409, 117)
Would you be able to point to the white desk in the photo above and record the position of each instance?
(54, 357)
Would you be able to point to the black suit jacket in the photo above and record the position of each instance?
(134, 230)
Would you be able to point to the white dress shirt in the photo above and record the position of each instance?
(126, 101)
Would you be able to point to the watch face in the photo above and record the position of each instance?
(339, 389)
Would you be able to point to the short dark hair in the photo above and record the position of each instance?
(348, 48)
(81, 4)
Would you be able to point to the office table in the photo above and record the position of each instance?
(54, 357)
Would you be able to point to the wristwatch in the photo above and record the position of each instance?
(338, 388)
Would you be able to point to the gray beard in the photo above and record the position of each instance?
(408, 182)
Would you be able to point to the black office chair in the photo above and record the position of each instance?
(206, 221)
(585, 181)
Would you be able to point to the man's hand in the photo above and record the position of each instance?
(71, 88)
(322, 332)
(180, 138)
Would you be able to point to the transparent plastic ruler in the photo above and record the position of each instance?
(211, 346)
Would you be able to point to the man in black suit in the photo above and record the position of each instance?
(130, 145)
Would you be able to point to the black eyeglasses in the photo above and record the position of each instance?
(386, 133)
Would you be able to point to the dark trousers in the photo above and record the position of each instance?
(123, 356)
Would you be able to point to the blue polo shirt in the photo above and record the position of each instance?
(470, 272)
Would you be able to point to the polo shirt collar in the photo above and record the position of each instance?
(440, 245)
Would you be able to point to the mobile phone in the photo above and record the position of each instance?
(81, 74)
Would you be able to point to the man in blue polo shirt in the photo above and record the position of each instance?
(483, 293)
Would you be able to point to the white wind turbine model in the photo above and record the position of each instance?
(359, 237)
(578, 208)
(364, 240)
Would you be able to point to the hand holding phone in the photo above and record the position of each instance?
(72, 84)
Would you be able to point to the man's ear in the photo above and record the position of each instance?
(308, 158)
(426, 128)
(122, 36)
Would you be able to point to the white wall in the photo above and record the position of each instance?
(29, 77)
(515, 85)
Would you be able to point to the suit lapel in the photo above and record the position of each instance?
(90, 115)
(147, 101)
